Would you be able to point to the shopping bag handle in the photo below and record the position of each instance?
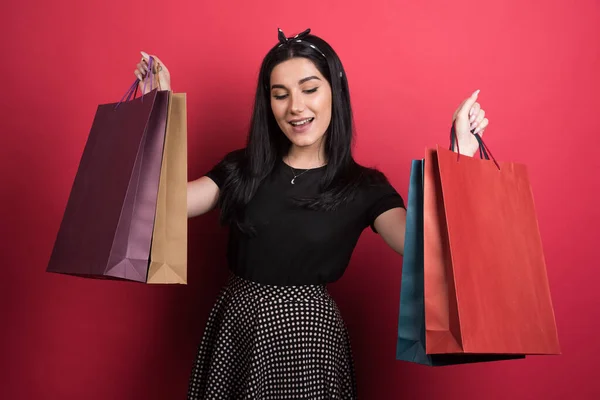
(132, 91)
(484, 151)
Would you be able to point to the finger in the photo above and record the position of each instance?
(484, 124)
(156, 68)
(473, 112)
(143, 67)
(464, 112)
(478, 118)
(156, 60)
(458, 110)
(143, 70)
(138, 75)
(148, 59)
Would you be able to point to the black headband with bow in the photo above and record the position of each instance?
(299, 38)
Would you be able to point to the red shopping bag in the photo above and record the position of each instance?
(486, 286)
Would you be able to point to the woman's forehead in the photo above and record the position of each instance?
(293, 71)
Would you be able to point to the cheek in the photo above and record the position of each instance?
(278, 110)
(322, 104)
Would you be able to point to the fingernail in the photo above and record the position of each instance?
(476, 92)
(145, 55)
(472, 117)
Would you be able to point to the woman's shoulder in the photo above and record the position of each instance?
(227, 164)
(375, 183)
(235, 156)
(231, 160)
(371, 175)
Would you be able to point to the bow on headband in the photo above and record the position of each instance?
(299, 38)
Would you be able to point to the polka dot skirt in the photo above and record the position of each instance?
(273, 342)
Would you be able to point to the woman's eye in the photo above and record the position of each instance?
(311, 90)
(280, 97)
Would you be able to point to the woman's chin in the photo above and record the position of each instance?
(304, 144)
(304, 141)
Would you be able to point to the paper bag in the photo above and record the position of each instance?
(168, 259)
(486, 288)
(107, 227)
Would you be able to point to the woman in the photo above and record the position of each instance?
(296, 203)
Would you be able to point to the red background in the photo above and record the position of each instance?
(409, 65)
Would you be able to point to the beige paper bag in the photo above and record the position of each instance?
(168, 257)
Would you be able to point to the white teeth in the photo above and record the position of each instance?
(304, 121)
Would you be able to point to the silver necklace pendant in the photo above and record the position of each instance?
(293, 181)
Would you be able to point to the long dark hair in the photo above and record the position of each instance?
(266, 143)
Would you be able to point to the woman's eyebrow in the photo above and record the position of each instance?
(300, 82)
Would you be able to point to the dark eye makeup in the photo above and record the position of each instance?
(308, 91)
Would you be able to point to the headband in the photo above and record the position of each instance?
(299, 38)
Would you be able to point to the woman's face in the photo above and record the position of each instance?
(301, 101)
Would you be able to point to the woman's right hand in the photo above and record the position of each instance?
(160, 70)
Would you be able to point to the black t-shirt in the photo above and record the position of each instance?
(294, 245)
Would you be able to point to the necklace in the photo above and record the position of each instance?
(293, 181)
(295, 176)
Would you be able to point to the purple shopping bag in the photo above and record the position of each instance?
(106, 230)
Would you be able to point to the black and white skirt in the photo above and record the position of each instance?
(273, 342)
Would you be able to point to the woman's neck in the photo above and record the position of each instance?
(305, 157)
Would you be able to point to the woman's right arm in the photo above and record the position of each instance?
(202, 196)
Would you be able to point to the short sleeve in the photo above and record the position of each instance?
(218, 173)
(382, 197)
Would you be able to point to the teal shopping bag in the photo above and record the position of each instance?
(411, 320)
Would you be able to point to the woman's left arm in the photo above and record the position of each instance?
(391, 225)
(469, 118)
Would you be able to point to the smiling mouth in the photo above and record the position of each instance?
(301, 122)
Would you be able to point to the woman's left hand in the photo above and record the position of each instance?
(469, 117)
